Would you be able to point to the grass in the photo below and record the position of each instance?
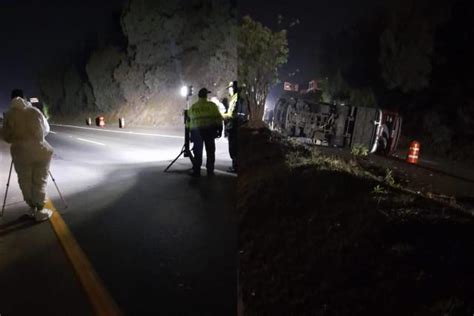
(378, 190)
(322, 235)
(388, 179)
(359, 150)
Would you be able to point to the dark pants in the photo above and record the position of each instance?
(233, 142)
(201, 137)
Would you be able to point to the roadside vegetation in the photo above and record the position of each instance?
(136, 71)
(407, 51)
(359, 150)
(323, 235)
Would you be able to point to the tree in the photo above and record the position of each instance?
(407, 44)
(65, 89)
(50, 82)
(171, 43)
(100, 69)
(166, 44)
(363, 97)
(73, 90)
(338, 88)
(261, 52)
(323, 85)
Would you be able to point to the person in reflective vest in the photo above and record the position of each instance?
(233, 118)
(205, 123)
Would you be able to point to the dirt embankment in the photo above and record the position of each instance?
(321, 235)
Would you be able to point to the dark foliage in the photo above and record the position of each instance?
(136, 70)
(317, 240)
(416, 57)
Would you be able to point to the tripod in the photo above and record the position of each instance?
(8, 185)
(6, 191)
(185, 151)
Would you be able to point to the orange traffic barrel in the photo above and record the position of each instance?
(121, 122)
(89, 121)
(413, 152)
(100, 121)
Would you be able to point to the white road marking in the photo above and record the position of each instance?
(120, 132)
(52, 132)
(90, 141)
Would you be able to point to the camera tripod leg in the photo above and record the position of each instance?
(187, 135)
(182, 152)
(6, 191)
(57, 188)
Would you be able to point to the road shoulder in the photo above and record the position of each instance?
(35, 274)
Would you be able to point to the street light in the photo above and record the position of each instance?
(186, 91)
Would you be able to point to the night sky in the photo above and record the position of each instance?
(317, 19)
(35, 33)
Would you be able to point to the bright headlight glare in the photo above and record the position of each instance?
(184, 91)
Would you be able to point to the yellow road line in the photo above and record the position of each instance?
(101, 301)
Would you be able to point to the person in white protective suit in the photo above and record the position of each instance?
(25, 128)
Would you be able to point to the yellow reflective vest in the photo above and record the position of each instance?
(204, 114)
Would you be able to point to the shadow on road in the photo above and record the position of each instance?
(23, 222)
(161, 242)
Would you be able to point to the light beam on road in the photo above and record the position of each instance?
(120, 132)
(90, 141)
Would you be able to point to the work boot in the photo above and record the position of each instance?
(43, 214)
(210, 173)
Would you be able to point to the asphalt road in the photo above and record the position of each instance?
(163, 243)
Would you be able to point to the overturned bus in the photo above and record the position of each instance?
(297, 115)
